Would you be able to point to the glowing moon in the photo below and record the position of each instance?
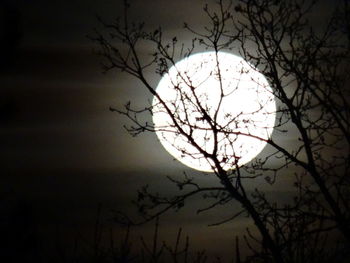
(244, 108)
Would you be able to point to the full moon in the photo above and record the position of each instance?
(237, 100)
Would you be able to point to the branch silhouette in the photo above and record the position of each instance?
(306, 69)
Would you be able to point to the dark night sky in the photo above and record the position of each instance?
(62, 150)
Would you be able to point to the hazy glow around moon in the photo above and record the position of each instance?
(247, 108)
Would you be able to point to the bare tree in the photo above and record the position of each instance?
(305, 67)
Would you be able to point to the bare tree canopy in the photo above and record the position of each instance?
(305, 70)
